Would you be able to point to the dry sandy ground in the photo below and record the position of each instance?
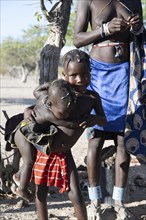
(15, 96)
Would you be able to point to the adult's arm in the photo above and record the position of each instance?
(137, 7)
(81, 36)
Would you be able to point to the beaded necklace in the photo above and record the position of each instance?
(104, 8)
(109, 4)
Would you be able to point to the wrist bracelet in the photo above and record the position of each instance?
(106, 29)
(102, 34)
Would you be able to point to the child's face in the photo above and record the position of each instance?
(61, 112)
(78, 75)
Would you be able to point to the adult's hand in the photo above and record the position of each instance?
(135, 21)
(117, 25)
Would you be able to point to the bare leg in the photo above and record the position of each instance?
(41, 201)
(94, 166)
(75, 194)
(28, 155)
(121, 174)
(121, 164)
(94, 159)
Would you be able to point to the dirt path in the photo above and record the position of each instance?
(15, 96)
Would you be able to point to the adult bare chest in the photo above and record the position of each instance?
(105, 10)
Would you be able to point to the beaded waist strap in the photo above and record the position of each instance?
(111, 44)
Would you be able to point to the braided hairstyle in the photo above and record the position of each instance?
(76, 55)
(63, 92)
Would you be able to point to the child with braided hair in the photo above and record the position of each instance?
(77, 73)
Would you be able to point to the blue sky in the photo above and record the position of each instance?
(18, 15)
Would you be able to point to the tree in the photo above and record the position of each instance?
(21, 56)
(58, 18)
(70, 28)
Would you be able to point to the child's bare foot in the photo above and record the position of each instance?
(24, 194)
(16, 179)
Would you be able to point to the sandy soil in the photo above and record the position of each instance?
(15, 96)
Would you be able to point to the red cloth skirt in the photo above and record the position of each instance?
(52, 170)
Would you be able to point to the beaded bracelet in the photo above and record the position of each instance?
(104, 30)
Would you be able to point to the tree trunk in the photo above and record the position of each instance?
(58, 17)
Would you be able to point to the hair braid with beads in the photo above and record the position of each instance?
(76, 55)
(66, 91)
